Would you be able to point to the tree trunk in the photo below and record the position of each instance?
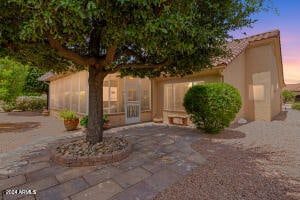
(95, 122)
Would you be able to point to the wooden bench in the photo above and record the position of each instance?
(183, 119)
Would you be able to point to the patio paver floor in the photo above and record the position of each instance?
(161, 156)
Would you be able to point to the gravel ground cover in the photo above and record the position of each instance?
(230, 173)
(259, 160)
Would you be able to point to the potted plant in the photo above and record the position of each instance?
(106, 124)
(70, 119)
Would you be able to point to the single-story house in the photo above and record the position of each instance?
(294, 88)
(254, 68)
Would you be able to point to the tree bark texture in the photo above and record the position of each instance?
(95, 128)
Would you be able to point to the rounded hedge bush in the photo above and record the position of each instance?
(212, 106)
(296, 106)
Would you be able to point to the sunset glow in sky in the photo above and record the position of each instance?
(288, 22)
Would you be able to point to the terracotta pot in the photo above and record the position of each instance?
(106, 125)
(45, 113)
(71, 124)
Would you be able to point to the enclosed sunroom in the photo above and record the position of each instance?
(125, 100)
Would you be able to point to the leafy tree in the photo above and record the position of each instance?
(137, 37)
(32, 84)
(12, 79)
(288, 95)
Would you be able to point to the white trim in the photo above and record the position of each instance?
(135, 119)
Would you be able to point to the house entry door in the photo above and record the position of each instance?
(132, 103)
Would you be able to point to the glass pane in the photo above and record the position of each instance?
(132, 93)
(145, 94)
(59, 93)
(121, 94)
(113, 95)
(52, 95)
(67, 93)
(83, 92)
(259, 92)
(168, 97)
(106, 94)
(75, 92)
(179, 91)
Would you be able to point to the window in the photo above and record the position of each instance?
(83, 92)
(258, 92)
(168, 96)
(145, 94)
(113, 94)
(69, 93)
(174, 94)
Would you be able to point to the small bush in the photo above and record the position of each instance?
(212, 106)
(84, 121)
(8, 107)
(288, 95)
(30, 103)
(67, 114)
(296, 106)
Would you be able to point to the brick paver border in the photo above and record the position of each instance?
(91, 160)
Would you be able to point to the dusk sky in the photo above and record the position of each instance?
(288, 22)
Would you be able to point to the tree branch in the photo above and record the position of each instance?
(66, 53)
(110, 55)
(141, 66)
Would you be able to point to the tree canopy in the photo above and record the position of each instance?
(288, 95)
(32, 84)
(174, 37)
(12, 79)
(137, 37)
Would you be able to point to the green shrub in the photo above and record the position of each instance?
(8, 106)
(32, 85)
(296, 106)
(31, 103)
(212, 106)
(84, 121)
(12, 79)
(288, 95)
(67, 114)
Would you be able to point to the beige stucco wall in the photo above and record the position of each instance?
(235, 75)
(208, 76)
(261, 71)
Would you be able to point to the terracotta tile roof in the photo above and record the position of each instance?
(238, 46)
(293, 87)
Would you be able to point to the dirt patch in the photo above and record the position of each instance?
(26, 113)
(227, 134)
(230, 173)
(18, 127)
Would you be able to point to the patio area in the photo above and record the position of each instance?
(161, 156)
(167, 162)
